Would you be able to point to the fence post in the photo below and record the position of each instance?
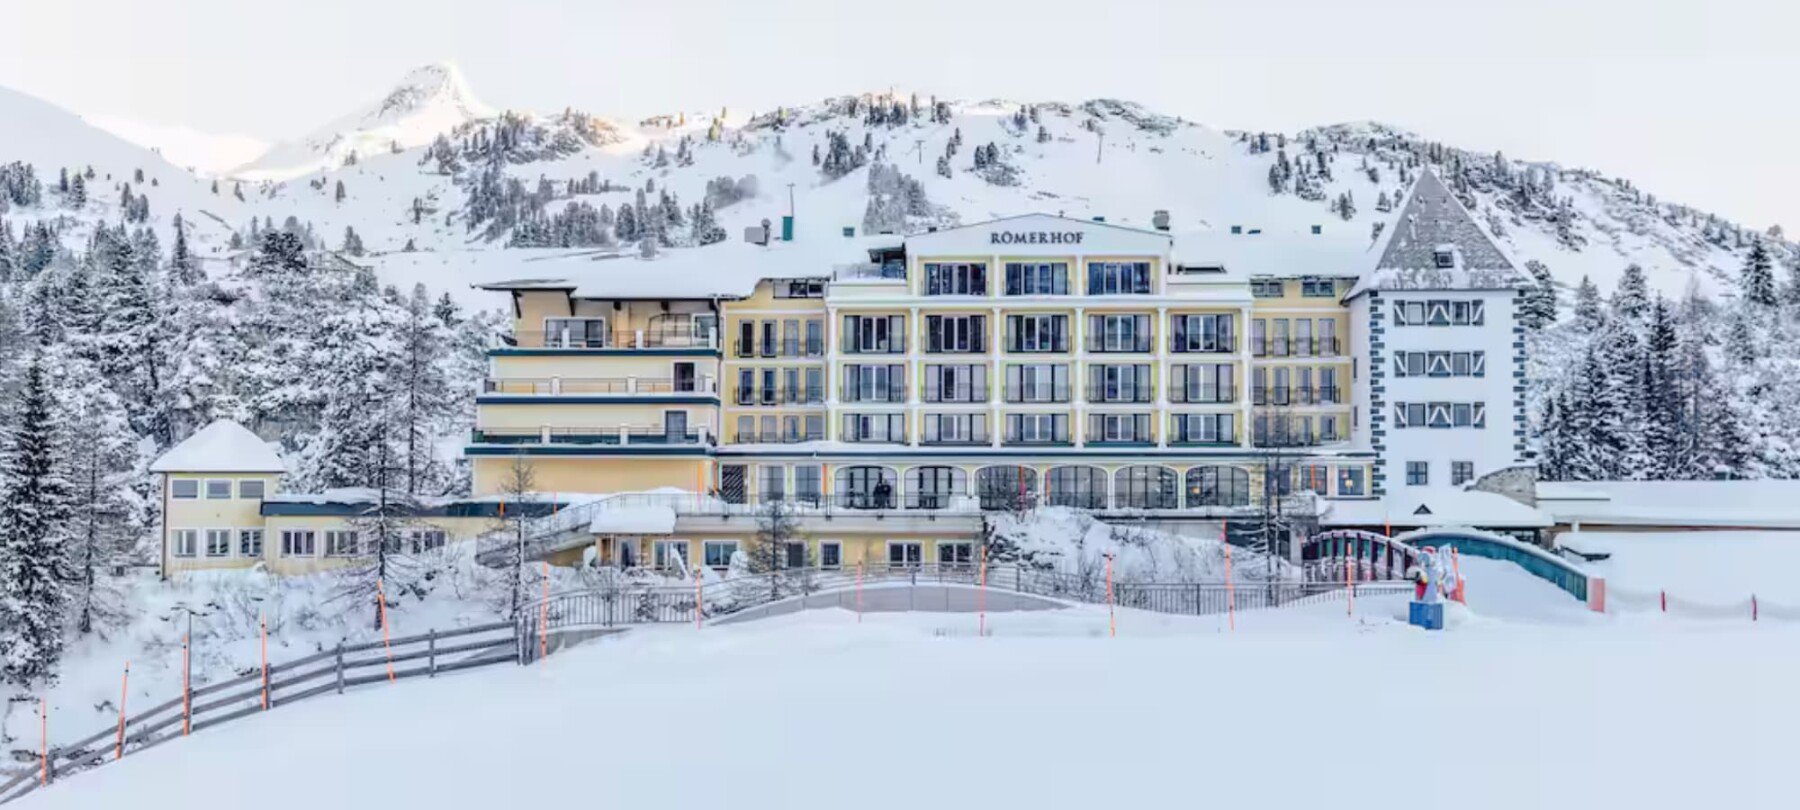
(1753, 607)
(340, 667)
(1664, 596)
(431, 653)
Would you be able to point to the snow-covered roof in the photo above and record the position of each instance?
(1435, 506)
(1765, 504)
(1286, 253)
(729, 269)
(223, 446)
(638, 519)
(1431, 221)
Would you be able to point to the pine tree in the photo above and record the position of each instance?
(182, 266)
(1589, 315)
(108, 510)
(1631, 300)
(278, 252)
(1758, 278)
(338, 194)
(1538, 308)
(34, 558)
(1661, 394)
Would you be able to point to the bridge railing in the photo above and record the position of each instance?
(262, 688)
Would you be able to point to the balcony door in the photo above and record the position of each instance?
(684, 377)
(675, 426)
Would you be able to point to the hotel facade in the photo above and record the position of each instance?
(892, 388)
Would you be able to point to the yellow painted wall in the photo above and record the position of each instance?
(595, 474)
(610, 416)
(202, 514)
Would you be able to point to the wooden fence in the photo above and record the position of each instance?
(268, 687)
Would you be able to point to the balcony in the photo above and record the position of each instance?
(1103, 394)
(784, 348)
(638, 339)
(616, 436)
(796, 395)
(1201, 440)
(887, 394)
(893, 346)
(977, 438)
(869, 271)
(1033, 394)
(778, 437)
(1022, 440)
(1294, 395)
(1214, 346)
(589, 386)
(962, 394)
(1183, 395)
(1098, 344)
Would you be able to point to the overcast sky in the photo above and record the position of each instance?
(1696, 101)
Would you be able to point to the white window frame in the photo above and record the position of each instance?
(243, 550)
(261, 486)
(207, 491)
(660, 550)
(836, 546)
(917, 554)
(334, 539)
(427, 540)
(289, 538)
(175, 489)
(706, 553)
(184, 543)
(223, 537)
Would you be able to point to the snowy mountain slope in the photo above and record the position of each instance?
(208, 154)
(51, 139)
(427, 102)
(1100, 158)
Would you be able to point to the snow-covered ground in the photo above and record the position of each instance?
(1293, 709)
(1715, 567)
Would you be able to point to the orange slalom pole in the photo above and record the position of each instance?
(544, 616)
(43, 744)
(263, 620)
(1112, 615)
(1456, 571)
(981, 596)
(187, 693)
(1230, 588)
(124, 691)
(381, 610)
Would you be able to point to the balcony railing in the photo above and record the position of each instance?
(1294, 347)
(1037, 393)
(893, 393)
(890, 346)
(1295, 395)
(633, 339)
(1191, 440)
(1101, 393)
(785, 347)
(600, 385)
(1021, 440)
(1202, 396)
(974, 439)
(869, 270)
(954, 394)
(1098, 344)
(778, 437)
(589, 436)
(1216, 346)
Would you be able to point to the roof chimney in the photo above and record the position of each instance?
(1237, 229)
(1318, 229)
(1160, 219)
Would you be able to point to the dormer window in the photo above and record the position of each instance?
(1444, 258)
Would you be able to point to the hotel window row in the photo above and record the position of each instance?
(789, 337)
(1440, 414)
(1440, 364)
(217, 543)
(1295, 337)
(775, 386)
(1037, 278)
(1294, 385)
(1440, 313)
(217, 489)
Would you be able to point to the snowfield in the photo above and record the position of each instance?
(1297, 708)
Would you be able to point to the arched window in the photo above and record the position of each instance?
(866, 487)
(1146, 486)
(1078, 487)
(1217, 486)
(933, 487)
(1007, 489)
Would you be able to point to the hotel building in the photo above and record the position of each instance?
(892, 388)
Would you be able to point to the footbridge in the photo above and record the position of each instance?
(1337, 556)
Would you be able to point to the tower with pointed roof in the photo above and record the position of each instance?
(1443, 399)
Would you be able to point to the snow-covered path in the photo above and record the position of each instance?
(1294, 709)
